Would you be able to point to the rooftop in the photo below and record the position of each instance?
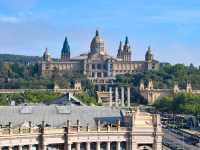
(56, 116)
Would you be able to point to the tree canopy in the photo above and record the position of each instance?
(165, 76)
(181, 103)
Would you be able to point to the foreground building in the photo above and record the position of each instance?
(78, 128)
(98, 65)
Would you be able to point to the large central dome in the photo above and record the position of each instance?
(97, 45)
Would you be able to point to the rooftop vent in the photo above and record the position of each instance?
(63, 109)
(26, 110)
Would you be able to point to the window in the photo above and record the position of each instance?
(93, 74)
(105, 74)
(93, 66)
(105, 66)
(98, 66)
(111, 66)
(99, 74)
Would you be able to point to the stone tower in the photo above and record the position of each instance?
(150, 85)
(65, 53)
(149, 55)
(189, 87)
(141, 87)
(149, 60)
(126, 53)
(176, 88)
(46, 56)
(120, 50)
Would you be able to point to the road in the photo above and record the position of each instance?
(177, 140)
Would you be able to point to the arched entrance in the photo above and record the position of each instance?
(123, 146)
(93, 146)
(83, 146)
(144, 147)
(113, 145)
(103, 146)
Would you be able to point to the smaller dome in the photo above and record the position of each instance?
(149, 55)
(97, 44)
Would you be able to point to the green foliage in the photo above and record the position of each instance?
(165, 76)
(10, 58)
(181, 103)
(87, 99)
(29, 97)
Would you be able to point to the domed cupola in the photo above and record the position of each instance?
(97, 45)
(149, 55)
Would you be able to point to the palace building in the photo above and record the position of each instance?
(68, 127)
(98, 65)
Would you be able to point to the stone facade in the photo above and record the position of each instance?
(97, 65)
(134, 131)
(151, 94)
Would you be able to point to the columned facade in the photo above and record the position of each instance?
(122, 96)
(135, 134)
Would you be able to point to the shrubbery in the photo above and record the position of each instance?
(85, 98)
(181, 103)
(165, 77)
(29, 97)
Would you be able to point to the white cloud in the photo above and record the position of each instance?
(18, 18)
(9, 19)
(177, 16)
(18, 5)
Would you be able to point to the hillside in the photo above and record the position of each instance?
(10, 58)
(165, 77)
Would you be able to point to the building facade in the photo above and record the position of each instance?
(83, 128)
(152, 94)
(97, 65)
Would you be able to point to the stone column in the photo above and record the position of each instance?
(134, 145)
(30, 147)
(128, 97)
(95, 74)
(65, 146)
(98, 146)
(69, 146)
(118, 145)
(127, 145)
(108, 146)
(87, 146)
(99, 87)
(157, 142)
(102, 75)
(116, 97)
(122, 96)
(110, 92)
(77, 146)
(106, 87)
(44, 147)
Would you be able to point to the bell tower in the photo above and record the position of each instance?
(65, 53)
(120, 50)
(126, 53)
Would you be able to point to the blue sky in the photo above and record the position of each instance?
(171, 27)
